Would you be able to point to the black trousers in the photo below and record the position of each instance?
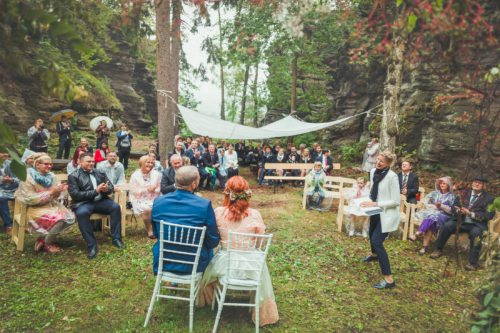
(231, 173)
(377, 238)
(475, 235)
(66, 146)
(241, 154)
(251, 159)
(104, 206)
(123, 154)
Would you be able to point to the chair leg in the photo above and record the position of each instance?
(20, 237)
(257, 303)
(192, 298)
(214, 296)
(124, 224)
(15, 232)
(155, 292)
(221, 305)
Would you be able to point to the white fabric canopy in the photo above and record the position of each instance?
(216, 128)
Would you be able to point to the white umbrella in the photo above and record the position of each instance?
(94, 123)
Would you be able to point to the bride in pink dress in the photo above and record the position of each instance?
(236, 215)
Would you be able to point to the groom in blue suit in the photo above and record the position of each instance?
(184, 208)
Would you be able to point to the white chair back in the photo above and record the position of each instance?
(255, 245)
(182, 238)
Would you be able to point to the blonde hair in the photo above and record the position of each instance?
(143, 159)
(318, 163)
(186, 161)
(40, 157)
(389, 156)
(361, 179)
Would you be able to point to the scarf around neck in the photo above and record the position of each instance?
(280, 157)
(378, 175)
(45, 181)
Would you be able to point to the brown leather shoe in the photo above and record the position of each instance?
(471, 267)
(436, 254)
(8, 230)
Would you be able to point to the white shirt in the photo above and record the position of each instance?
(94, 183)
(231, 159)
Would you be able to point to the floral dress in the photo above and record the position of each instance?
(432, 217)
(44, 210)
(141, 198)
(252, 224)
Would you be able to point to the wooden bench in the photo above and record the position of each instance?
(334, 184)
(291, 166)
(493, 224)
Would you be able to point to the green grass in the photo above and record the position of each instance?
(319, 283)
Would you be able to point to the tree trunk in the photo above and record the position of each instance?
(175, 58)
(254, 92)
(293, 102)
(165, 116)
(293, 94)
(222, 106)
(392, 93)
(244, 100)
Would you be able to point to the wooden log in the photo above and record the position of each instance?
(59, 164)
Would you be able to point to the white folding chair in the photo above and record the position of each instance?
(183, 239)
(243, 247)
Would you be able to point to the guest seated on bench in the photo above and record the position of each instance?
(316, 179)
(249, 153)
(145, 186)
(437, 212)
(231, 162)
(8, 186)
(306, 158)
(280, 158)
(74, 164)
(43, 193)
(27, 158)
(358, 191)
(474, 217)
(89, 188)
(168, 176)
(326, 161)
(114, 170)
(266, 158)
(293, 158)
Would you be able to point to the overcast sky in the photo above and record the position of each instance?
(208, 94)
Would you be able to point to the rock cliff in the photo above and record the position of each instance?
(434, 136)
(22, 102)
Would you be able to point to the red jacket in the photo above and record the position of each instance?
(98, 157)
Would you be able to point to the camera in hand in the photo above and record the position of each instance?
(42, 127)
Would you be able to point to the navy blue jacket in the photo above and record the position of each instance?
(184, 208)
(121, 137)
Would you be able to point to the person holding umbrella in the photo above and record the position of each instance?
(102, 132)
(64, 130)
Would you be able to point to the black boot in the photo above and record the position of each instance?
(282, 185)
(319, 203)
(310, 202)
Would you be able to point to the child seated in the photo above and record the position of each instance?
(316, 181)
(359, 190)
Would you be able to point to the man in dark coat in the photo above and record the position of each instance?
(474, 216)
(89, 190)
(64, 130)
(182, 207)
(168, 175)
(240, 151)
(408, 182)
(211, 160)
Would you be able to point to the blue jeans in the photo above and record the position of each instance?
(4, 213)
(269, 172)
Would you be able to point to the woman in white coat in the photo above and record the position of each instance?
(385, 193)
